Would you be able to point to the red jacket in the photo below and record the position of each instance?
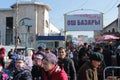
(56, 74)
(2, 55)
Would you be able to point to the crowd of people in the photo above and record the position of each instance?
(85, 62)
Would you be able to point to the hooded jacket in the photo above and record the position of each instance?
(22, 74)
(56, 74)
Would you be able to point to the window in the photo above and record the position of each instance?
(113, 30)
(25, 21)
(9, 30)
(47, 24)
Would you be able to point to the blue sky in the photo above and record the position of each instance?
(60, 7)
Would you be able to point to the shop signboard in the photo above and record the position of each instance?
(83, 22)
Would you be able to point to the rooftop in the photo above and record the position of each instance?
(28, 2)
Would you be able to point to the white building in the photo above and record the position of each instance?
(32, 21)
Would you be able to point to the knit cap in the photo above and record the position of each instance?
(51, 58)
(96, 56)
(20, 57)
(38, 57)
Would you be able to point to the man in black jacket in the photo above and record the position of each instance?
(37, 72)
(66, 63)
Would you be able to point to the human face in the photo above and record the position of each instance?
(101, 50)
(96, 63)
(19, 64)
(62, 53)
(38, 62)
(47, 51)
(86, 46)
(47, 65)
(7, 64)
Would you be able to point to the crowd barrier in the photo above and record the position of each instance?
(111, 73)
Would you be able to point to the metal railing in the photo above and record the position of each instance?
(109, 67)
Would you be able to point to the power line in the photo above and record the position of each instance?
(84, 3)
(110, 2)
(111, 7)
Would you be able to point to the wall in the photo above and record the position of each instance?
(3, 14)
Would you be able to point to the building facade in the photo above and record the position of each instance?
(112, 29)
(32, 18)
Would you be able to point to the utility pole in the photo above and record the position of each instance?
(16, 26)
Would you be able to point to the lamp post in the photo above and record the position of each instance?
(16, 26)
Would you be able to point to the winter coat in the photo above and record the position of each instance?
(29, 62)
(69, 67)
(37, 72)
(22, 74)
(87, 72)
(107, 56)
(2, 56)
(118, 58)
(56, 74)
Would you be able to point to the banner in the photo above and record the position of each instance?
(83, 22)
